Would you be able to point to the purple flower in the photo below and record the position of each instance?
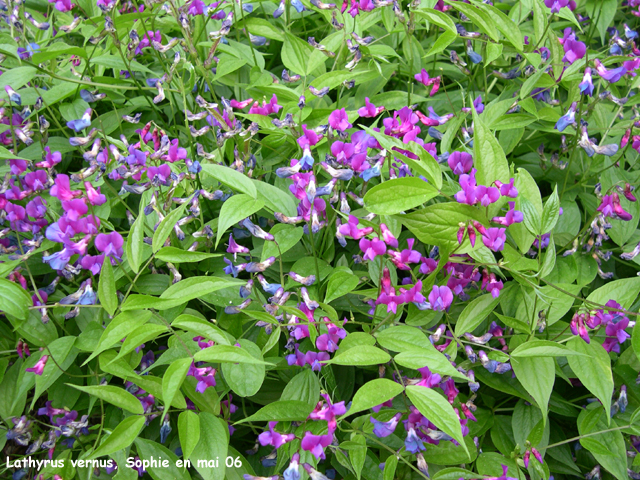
(611, 76)
(423, 78)
(328, 342)
(50, 159)
(429, 379)
(274, 438)
(385, 429)
(62, 190)
(468, 193)
(350, 229)
(507, 189)
(573, 49)
(372, 248)
(611, 207)
(556, 5)
(567, 119)
(440, 298)
(293, 470)
(369, 110)
(316, 443)
(511, 217)
(338, 120)
(38, 368)
(94, 196)
(586, 86)
(413, 443)
(82, 123)
(110, 244)
(486, 195)
(205, 376)
(494, 238)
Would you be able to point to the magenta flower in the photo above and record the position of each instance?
(556, 5)
(110, 244)
(38, 368)
(486, 195)
(266, 108)
(62, 190)
(468, 193)
(328, 342)
(369, 110)
(507, 189)
(205, 376)
(460, 162)
(434, 83)
(274, 438)
(511, 217)
(611, 207)
(573, 49)
(94, 196)
(388, 237)
(372, 248)
(350, 229)
(494, 238)
(338, 120)
(316, 444)
(611, 76)
(440, 298)
(429, 379)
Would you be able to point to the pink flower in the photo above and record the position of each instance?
(94, 196)
(460, 162)
(372, 248)
(338, 120)
(62, 189)
(274, 438)
(440, 298)
(434, 83)
(110, 244)
(38, 368)
(369, 110)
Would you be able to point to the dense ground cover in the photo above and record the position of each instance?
(372, 240)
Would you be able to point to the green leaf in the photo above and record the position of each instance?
(506, 26)
(436, 408)
(527, 188)
(339, 284)
(135, 244)
(373, 393)
(397, 195)
(361, 356)
(594, 370)
(107, 288)
(121, 437)
(390, 465)
(115, 62)
(539, 22)
(231, 178)
(438, 18)
(475, 313)
(16, 77)
(64, 354)
(537, 376)
(121, 326)
(259, 26)
(635, 339)
(245, 379)
(623, 291)
(531, 217)
(164, 229)
(551, 212)
(14, 300)
(286, 237)
(281, 411)
(299, 57)
(488, 156)
(198, 326)
(304, 387)
(114, 395)
(139, 336)
(177, 255)
(188, 431)
(172, 381)
(237, 208)
(227, 354)
(180, 293)
(438, 224)
(276, 199)
(543, 348)
(432, 358)
(614, 457)
(147, 449)
(213, 444)
(401, 338)
(479, 17)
